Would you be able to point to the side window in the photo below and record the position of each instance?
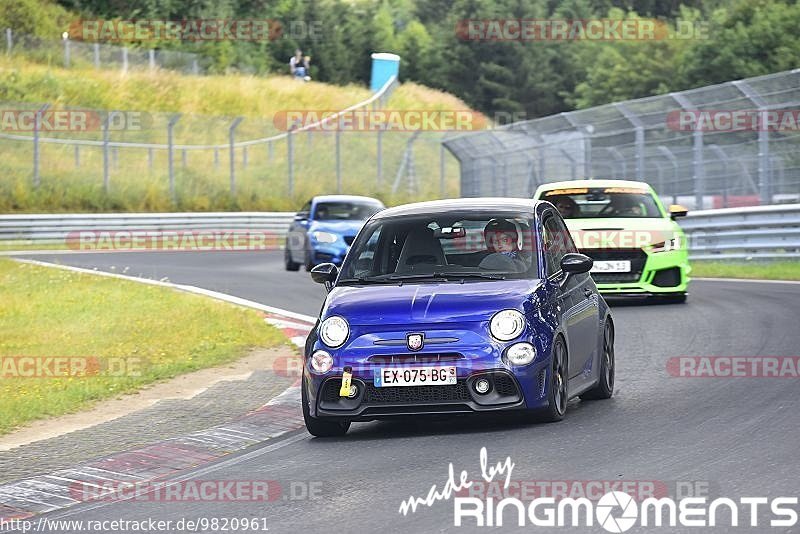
(557, 242)
(365, 263)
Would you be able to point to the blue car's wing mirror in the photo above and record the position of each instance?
(325, 273)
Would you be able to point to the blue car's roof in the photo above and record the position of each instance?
(499, 204)
(345, 198)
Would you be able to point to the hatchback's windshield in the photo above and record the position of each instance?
(345, 211)
(603, 202)
(457, 247)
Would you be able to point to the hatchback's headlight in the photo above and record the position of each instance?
(507, 324)
(324, 237)
(334, 331)
(520, 354)
(666, 246)
(321, 361)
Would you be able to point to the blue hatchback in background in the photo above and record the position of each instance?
(324, 229)
(457, 306)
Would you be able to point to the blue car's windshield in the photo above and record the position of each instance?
(447, 247)
(345, 211)
(603, 202)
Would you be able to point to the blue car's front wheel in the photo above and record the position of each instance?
(320, 427)
(557, 395)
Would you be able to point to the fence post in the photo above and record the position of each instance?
(195, 67)
(171, 152)
(699, 169)
(764, 178)
(106, 156)
(9, 41)
(77, 156)
(150, 159)
(97, 55)
(338, 160)
(244, 157)
(441, 170)
(37, 124)
(270, 150)
(290, 162)
(125, 59)
(380, 156)
(216, 157)
(66, 50)
(151, 57)
(184, 158)
(231, 138)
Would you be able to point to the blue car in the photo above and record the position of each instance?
(453, 307)
(324, 229)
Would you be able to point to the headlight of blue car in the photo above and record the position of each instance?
(324, 237)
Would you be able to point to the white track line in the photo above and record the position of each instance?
(190, 289)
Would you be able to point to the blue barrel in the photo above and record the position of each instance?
(384, 66)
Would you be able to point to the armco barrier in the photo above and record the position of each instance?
(764, 232)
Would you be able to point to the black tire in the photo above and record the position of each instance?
(605, 386)
(287, 260)
(308, 262)
(318, 427)
(557, 394)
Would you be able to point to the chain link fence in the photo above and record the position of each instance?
(732, 144)
(196, 161)
(79, 54)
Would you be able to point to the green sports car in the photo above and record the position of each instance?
(636, 245)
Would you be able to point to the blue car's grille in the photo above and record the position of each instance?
(417, 358)
(402, 395)
(417, 394)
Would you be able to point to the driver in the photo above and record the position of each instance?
(625, 206)
(502, 240)
(567, 207)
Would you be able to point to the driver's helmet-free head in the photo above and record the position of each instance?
(501, 236)
(566, 206)
(624, 204)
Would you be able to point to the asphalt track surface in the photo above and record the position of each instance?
(739, 437)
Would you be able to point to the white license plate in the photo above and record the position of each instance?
(611, 266)
(414, 376)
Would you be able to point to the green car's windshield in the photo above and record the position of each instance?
(443, 247)
(603, 202)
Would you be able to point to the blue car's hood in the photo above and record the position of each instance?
(337, 227)
(428, 302)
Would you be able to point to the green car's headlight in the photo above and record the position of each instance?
(666, 246)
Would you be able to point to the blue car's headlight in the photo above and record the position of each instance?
(324, 237)
(507, 324)
(520, 354)
(334, 331)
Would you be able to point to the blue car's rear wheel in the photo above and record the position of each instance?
(605, 385)
(287, 259)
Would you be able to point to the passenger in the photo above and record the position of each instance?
(567, 207)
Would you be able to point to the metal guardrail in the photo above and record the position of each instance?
(764, 232)
(55, 229)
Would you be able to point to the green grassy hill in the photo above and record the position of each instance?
(208, 104)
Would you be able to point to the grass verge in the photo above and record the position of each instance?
(777, 270)
(126, 334)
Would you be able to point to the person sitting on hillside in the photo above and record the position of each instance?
(298, 65)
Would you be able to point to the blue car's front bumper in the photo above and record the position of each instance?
(328, 253)
(474, 356)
